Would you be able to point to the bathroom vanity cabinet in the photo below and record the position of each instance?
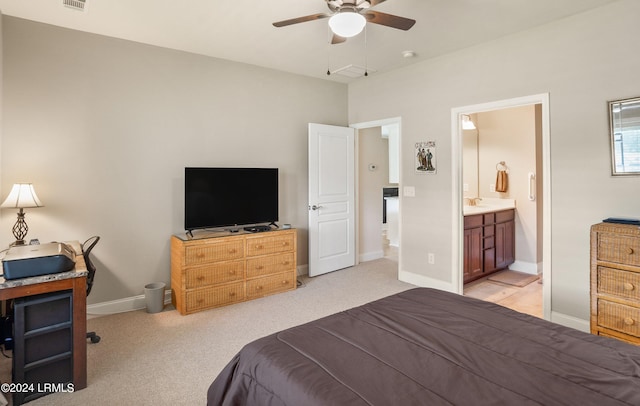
(489, 243)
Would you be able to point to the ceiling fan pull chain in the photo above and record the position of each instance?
(329, 35)
(366, 54)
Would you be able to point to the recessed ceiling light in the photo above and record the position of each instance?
(408, 54)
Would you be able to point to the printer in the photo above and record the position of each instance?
(23, 261)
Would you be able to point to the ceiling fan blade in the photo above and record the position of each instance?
(336, 39)
(389, 20)
(376, 2)
(304, 19)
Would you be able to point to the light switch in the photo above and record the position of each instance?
(409, 191)
(465, 187)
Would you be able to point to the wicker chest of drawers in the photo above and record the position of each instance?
(615, 281)
(218, 271)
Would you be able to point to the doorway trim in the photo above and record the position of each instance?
(371, 124)
(456, 187)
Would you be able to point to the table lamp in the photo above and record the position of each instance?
(22, 196)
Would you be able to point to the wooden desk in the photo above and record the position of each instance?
(76, 280)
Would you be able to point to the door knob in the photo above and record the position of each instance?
(314, 207)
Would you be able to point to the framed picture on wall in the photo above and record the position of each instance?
(425, 157)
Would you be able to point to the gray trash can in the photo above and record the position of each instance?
(154, 297)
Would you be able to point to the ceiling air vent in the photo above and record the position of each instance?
(352, 71)
(75, 4)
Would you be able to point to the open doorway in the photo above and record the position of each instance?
(528, 170)
(501, 159)
(377, 197)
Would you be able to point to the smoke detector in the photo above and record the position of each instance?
(75, 4)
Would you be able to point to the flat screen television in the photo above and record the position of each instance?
(229, 197)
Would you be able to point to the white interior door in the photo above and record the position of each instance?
(331, 198)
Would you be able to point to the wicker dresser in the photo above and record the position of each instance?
(221, 270)
(615, 281)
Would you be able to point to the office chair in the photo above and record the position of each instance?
(87, 246)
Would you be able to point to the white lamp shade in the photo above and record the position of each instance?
(467, 124)
(22, 195)
(347, 24)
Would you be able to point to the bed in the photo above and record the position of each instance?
(430, 347)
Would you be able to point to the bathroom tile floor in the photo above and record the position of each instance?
(526, 299)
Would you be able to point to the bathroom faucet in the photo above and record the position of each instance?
(473, 200)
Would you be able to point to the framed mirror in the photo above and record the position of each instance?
(624, 131)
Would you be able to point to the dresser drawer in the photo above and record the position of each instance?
(619, 249)
(269, 244)
(214, 252)
(216, 273)
(620, 283)
(201, 299)
(619, 317)
(270, 284)
(270, 264)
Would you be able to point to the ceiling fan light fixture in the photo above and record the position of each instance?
(347, 23)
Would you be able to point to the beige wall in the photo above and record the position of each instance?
(582, 62)
(104, 128)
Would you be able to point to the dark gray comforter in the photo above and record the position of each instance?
(429, 347)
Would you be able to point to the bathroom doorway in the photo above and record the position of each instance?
(513, 136)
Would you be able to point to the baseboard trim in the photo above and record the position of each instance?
(526, 267)
(424, 281)
(302, 270)
(127, 304)
(570, 321)
(370, 256)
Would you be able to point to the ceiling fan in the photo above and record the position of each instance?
(348, 17)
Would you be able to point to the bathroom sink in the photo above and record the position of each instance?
(488, 205)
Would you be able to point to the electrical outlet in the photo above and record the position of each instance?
(465, 187)
(431, 258)
(492, 187)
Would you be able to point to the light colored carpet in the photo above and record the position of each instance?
(169, 359)
(514, 278)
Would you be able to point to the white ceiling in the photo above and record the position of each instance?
(241, 30)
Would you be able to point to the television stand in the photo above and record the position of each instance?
(225, 269)
(257, 229)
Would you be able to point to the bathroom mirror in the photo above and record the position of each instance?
(624, 123)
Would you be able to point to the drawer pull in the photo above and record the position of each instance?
(200, 278)
(200, 255)
(232, 294)
(259, 267)
(628, 286)
(259, 247)
(232, 272)
(629, 321)
(284, 244)
(629, 250)
(258, 287)
(285, 262)
(285, 282)
(233, 251)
